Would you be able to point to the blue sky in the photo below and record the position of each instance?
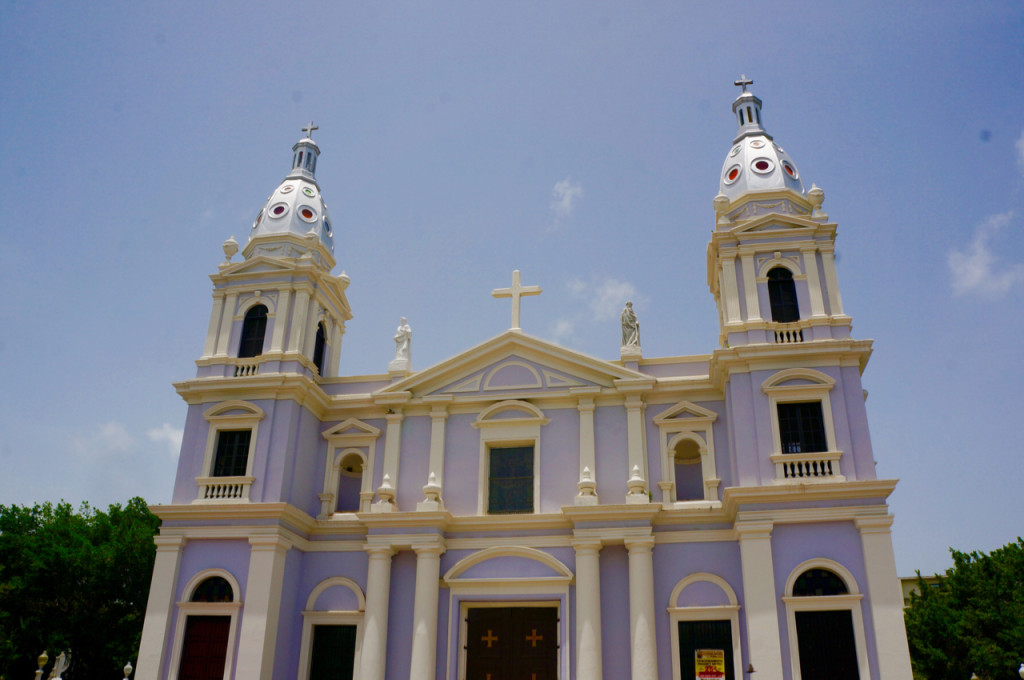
(579, 142)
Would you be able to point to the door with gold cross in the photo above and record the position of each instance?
(512, 643)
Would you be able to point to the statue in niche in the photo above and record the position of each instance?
(630, 327)
(403, 342)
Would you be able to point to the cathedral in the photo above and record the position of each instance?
(522, 511)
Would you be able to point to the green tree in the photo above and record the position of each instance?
(972, 621)
(74, 580)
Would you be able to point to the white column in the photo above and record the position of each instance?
(281, 310)
(335, 356)
(214, 329)
(424, 615)
(392, 453)
(828, 262)
(258, 636)
(227, 318)
(635, 438)
(644, 655)
(160, 607)
(750, 287)
(764, 649)
(588, 610)
(729, 289)
(375, 621)
(813, 282)
(438, 421)
(298, 327)
(886, 598)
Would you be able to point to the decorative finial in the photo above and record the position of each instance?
(127, 670)
(309, 130)
(743, 82)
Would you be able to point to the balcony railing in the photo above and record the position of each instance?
(223, 489)
(787, 333)
(807, 467)
(244, 367)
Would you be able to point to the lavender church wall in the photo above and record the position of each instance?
(289, 622)
(193, 452)
(400, 611)
(414, 462)
(857, 416)
(615, 638)
(610, 453)
(793, 544)
(559, 459)
(462, 464)
(303, 464)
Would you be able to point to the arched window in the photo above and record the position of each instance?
(782, 295)
(213, 589)
(253, 329)
(318, 349)
(826, 620)
(689, 475)
(350, 483)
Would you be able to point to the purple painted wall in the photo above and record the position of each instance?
(400, 611)
(289, 623)
(559, 459)
(793, 544)
(414, 462)
(615, 648)
(610, 453)
(462, 464)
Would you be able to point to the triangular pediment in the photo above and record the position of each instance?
(685, 411)
(256, 265)
(513, 363)
(772, 222)
(352, 428)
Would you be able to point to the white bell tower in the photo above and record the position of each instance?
(280, 310)
(771, 264)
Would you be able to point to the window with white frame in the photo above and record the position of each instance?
(704, 615)
(230, 446)
(689, 472)
(825, 622)
(803, 432)
(332, 630)
(207, 623)
(509, 457)
(348, 474)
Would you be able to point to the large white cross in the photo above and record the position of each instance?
(516, 292)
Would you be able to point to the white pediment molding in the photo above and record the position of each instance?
(352, 432)
(556, 367)
(686, 411)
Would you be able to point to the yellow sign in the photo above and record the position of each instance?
(710, 664)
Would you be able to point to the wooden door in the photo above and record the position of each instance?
(512, 643)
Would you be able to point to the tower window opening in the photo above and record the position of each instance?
(757, 114)
(309, 157)
(802, 427)
(318, 348)
(253, 329)
(741, 116)
(313, 167)
(782, 296)
(750, 116)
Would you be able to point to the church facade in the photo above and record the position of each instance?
(522, 511)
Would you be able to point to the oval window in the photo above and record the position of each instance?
(762, 166)
(732, 174)
(279, 210)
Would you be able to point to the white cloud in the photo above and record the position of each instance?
(605, 298)
(1020, 151)
(976, 269)
(171, 436)
(564, 197)
(109, 440)
(563, 330)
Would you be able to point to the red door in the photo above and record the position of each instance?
(205, 648)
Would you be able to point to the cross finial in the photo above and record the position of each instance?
(516, 292)
(309, 129)
(743, 82)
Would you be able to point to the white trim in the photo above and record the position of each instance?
(186, 608)
(508, 432)
(236, 421)
(453, 574)
(819, 390)
(311, 617)
(687, 420)
(851, 602)
(776, 261)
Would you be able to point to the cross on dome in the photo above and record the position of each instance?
(309, 130)
(516, 292)
(743, 82)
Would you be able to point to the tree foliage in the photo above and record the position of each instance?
(972, 621)
(75, 580)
